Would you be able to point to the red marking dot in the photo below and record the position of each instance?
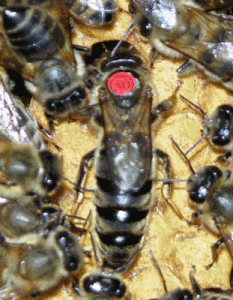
(121, 83)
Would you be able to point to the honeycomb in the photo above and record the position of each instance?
(176, 245)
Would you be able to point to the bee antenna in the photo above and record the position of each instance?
(89, 107)
(223, 239)
(128, 30)
(84, 225)
(160, 272)
(197, 108)
(183, 154)
(170, 180)
(80, 189)
(75, 217)
(126, 266)
(198, 142)
(194, 283)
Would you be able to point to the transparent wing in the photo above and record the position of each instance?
(16, 123)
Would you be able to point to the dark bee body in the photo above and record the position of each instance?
(124, 161)
(177, 29)
(102, 285)
(25, 163)
(36, 43)
(92, 13)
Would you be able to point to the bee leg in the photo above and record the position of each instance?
(195, 219)
(168, 171)
(195, 285)
(79, 185)
(36, 295)
(48, 136)
(50, 122)
(83, 169)
(231, 277)
(153, 55)
(75, 287)
(164, 108)
(187, 68)
(224, 158)
(167, 165)
(87, 253)
(2, 238)
(215, 248)
(82, 49)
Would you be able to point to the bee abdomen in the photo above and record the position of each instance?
(120, 233)
(32, 33)
(121, 216)
(119, 240)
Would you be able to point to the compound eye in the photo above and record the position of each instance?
(55, 106)
(71, 262)
(50, 181)
(223, 137)
(185, 295)
(108, 17)
(198, 184)
(77, 95)
(145, 27)
(64, 240)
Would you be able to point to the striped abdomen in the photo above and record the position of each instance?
(121, 219)
(32, 33)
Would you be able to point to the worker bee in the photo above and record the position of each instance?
(35, 263)
(217, 128)
(35, 42)
(198, 293)
(180, 29)
(92, 13)
(125, 161)
(26, 165)
(211, 190)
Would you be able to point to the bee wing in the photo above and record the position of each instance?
(157, 11)
(226, 231)
(8, 291)
(211, 45)
(16, 123)
(94, 12)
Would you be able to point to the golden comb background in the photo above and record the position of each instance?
(175, 245)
